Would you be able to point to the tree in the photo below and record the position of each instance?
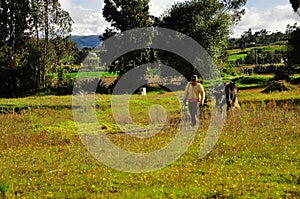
(55, 22)
(64, 49)
(295, 5)
(20, 54)
(13, 36)
(294, 44)
(250, 58)
(49, 18)
(81, 55)
(294, 40)
(126, 15)
(48, 21)
(235, 8)
(207, 22)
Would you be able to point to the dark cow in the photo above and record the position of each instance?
(226, 94)
(231, 98)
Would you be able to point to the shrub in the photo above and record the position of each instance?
(282, 74)
(277, 86)
(252, 80)
(265, 69)
(295, 81)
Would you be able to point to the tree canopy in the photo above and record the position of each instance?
(126, 15)
(294, 43)
(26, 26)
(294, 40)
(207, 22)
(295, 5)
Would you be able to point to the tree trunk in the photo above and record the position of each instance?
(45, 60)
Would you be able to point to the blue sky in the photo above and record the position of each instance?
(272, 15)
(264, 4)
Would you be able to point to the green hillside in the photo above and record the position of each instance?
(236, 54)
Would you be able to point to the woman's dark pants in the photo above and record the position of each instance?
(193, 111)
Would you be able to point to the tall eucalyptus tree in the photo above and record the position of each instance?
(49, 21)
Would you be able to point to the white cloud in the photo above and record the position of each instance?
(91, 23)
(272, 19)
(157, 7)
(66, 4)
(87, 15)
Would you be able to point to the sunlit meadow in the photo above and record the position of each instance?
(256, 156)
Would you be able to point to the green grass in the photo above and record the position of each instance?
(256, 156)
(87, 74)
(235, 54)
(271, 48)
(249, 82)
(246, 82)
(234, 57)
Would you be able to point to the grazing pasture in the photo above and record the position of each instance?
(256, 156)
(236, 54)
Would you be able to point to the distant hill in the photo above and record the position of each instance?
(90, 41)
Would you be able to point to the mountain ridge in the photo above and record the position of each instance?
(86, 41)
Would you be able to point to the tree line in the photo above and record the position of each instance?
(33, 40)
(208, 23)
(34, 36)
(260, 38)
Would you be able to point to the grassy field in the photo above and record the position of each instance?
(236, 54)
(253, 81)
(86, 74)
(234, 57)
(256, 156)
